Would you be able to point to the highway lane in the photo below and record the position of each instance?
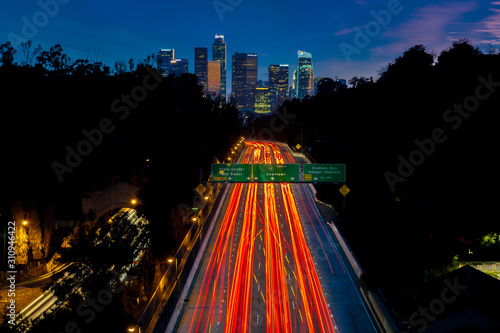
(271, 265)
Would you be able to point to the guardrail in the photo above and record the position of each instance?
(376, 307)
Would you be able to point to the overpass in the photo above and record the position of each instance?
(111, 198)
(119, 195)
(269, 262)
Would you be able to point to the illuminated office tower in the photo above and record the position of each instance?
(305, 77)
(165, 56)
(263, 100)
(244, 79)
(201, 66)
(278, 84)
(214, 78)
(179, 66)
(219, 54)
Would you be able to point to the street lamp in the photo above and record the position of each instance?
(171, 260)
(25, 222)
(133, 201)
(133, 325)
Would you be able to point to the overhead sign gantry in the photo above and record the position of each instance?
(269, 173)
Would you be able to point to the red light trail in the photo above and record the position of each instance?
(261, 230)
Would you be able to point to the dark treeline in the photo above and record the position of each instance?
(409, 226)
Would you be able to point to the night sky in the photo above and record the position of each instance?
(114, 30)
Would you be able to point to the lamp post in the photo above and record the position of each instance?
(133, 326)
(26, 227)
(171, 260)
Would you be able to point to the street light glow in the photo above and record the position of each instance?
(25, 222)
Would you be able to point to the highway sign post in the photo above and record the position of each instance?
(200, 189)
(231, 172)
(324, 173)
(276, 172)
(344, 190)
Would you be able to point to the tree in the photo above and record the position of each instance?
(47, 225)
(54, 60)
(29, 55)
(22, 247)
(490, 49)
(7, 52)
(490, 239)
(326, 86)
(413, 63)
(120, 67)
(459, 51)
(35, 238)
(150, 60)
(84, 68)
(357, 82)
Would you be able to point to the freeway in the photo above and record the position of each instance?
(270, 264)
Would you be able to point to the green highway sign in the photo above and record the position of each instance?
(324, 173)
(276, 172)
(231, 172)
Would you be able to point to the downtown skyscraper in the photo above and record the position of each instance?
(278, 84)
(305, 76)
(201, 66)
(244, 80)
(219, 54)
(165, 56)
(213, 75)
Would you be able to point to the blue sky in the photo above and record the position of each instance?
(119, 30)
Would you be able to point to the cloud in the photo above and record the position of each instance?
(347, 31)
(429, 26)
(491, 26)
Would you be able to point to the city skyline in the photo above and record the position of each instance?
(355, 38)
